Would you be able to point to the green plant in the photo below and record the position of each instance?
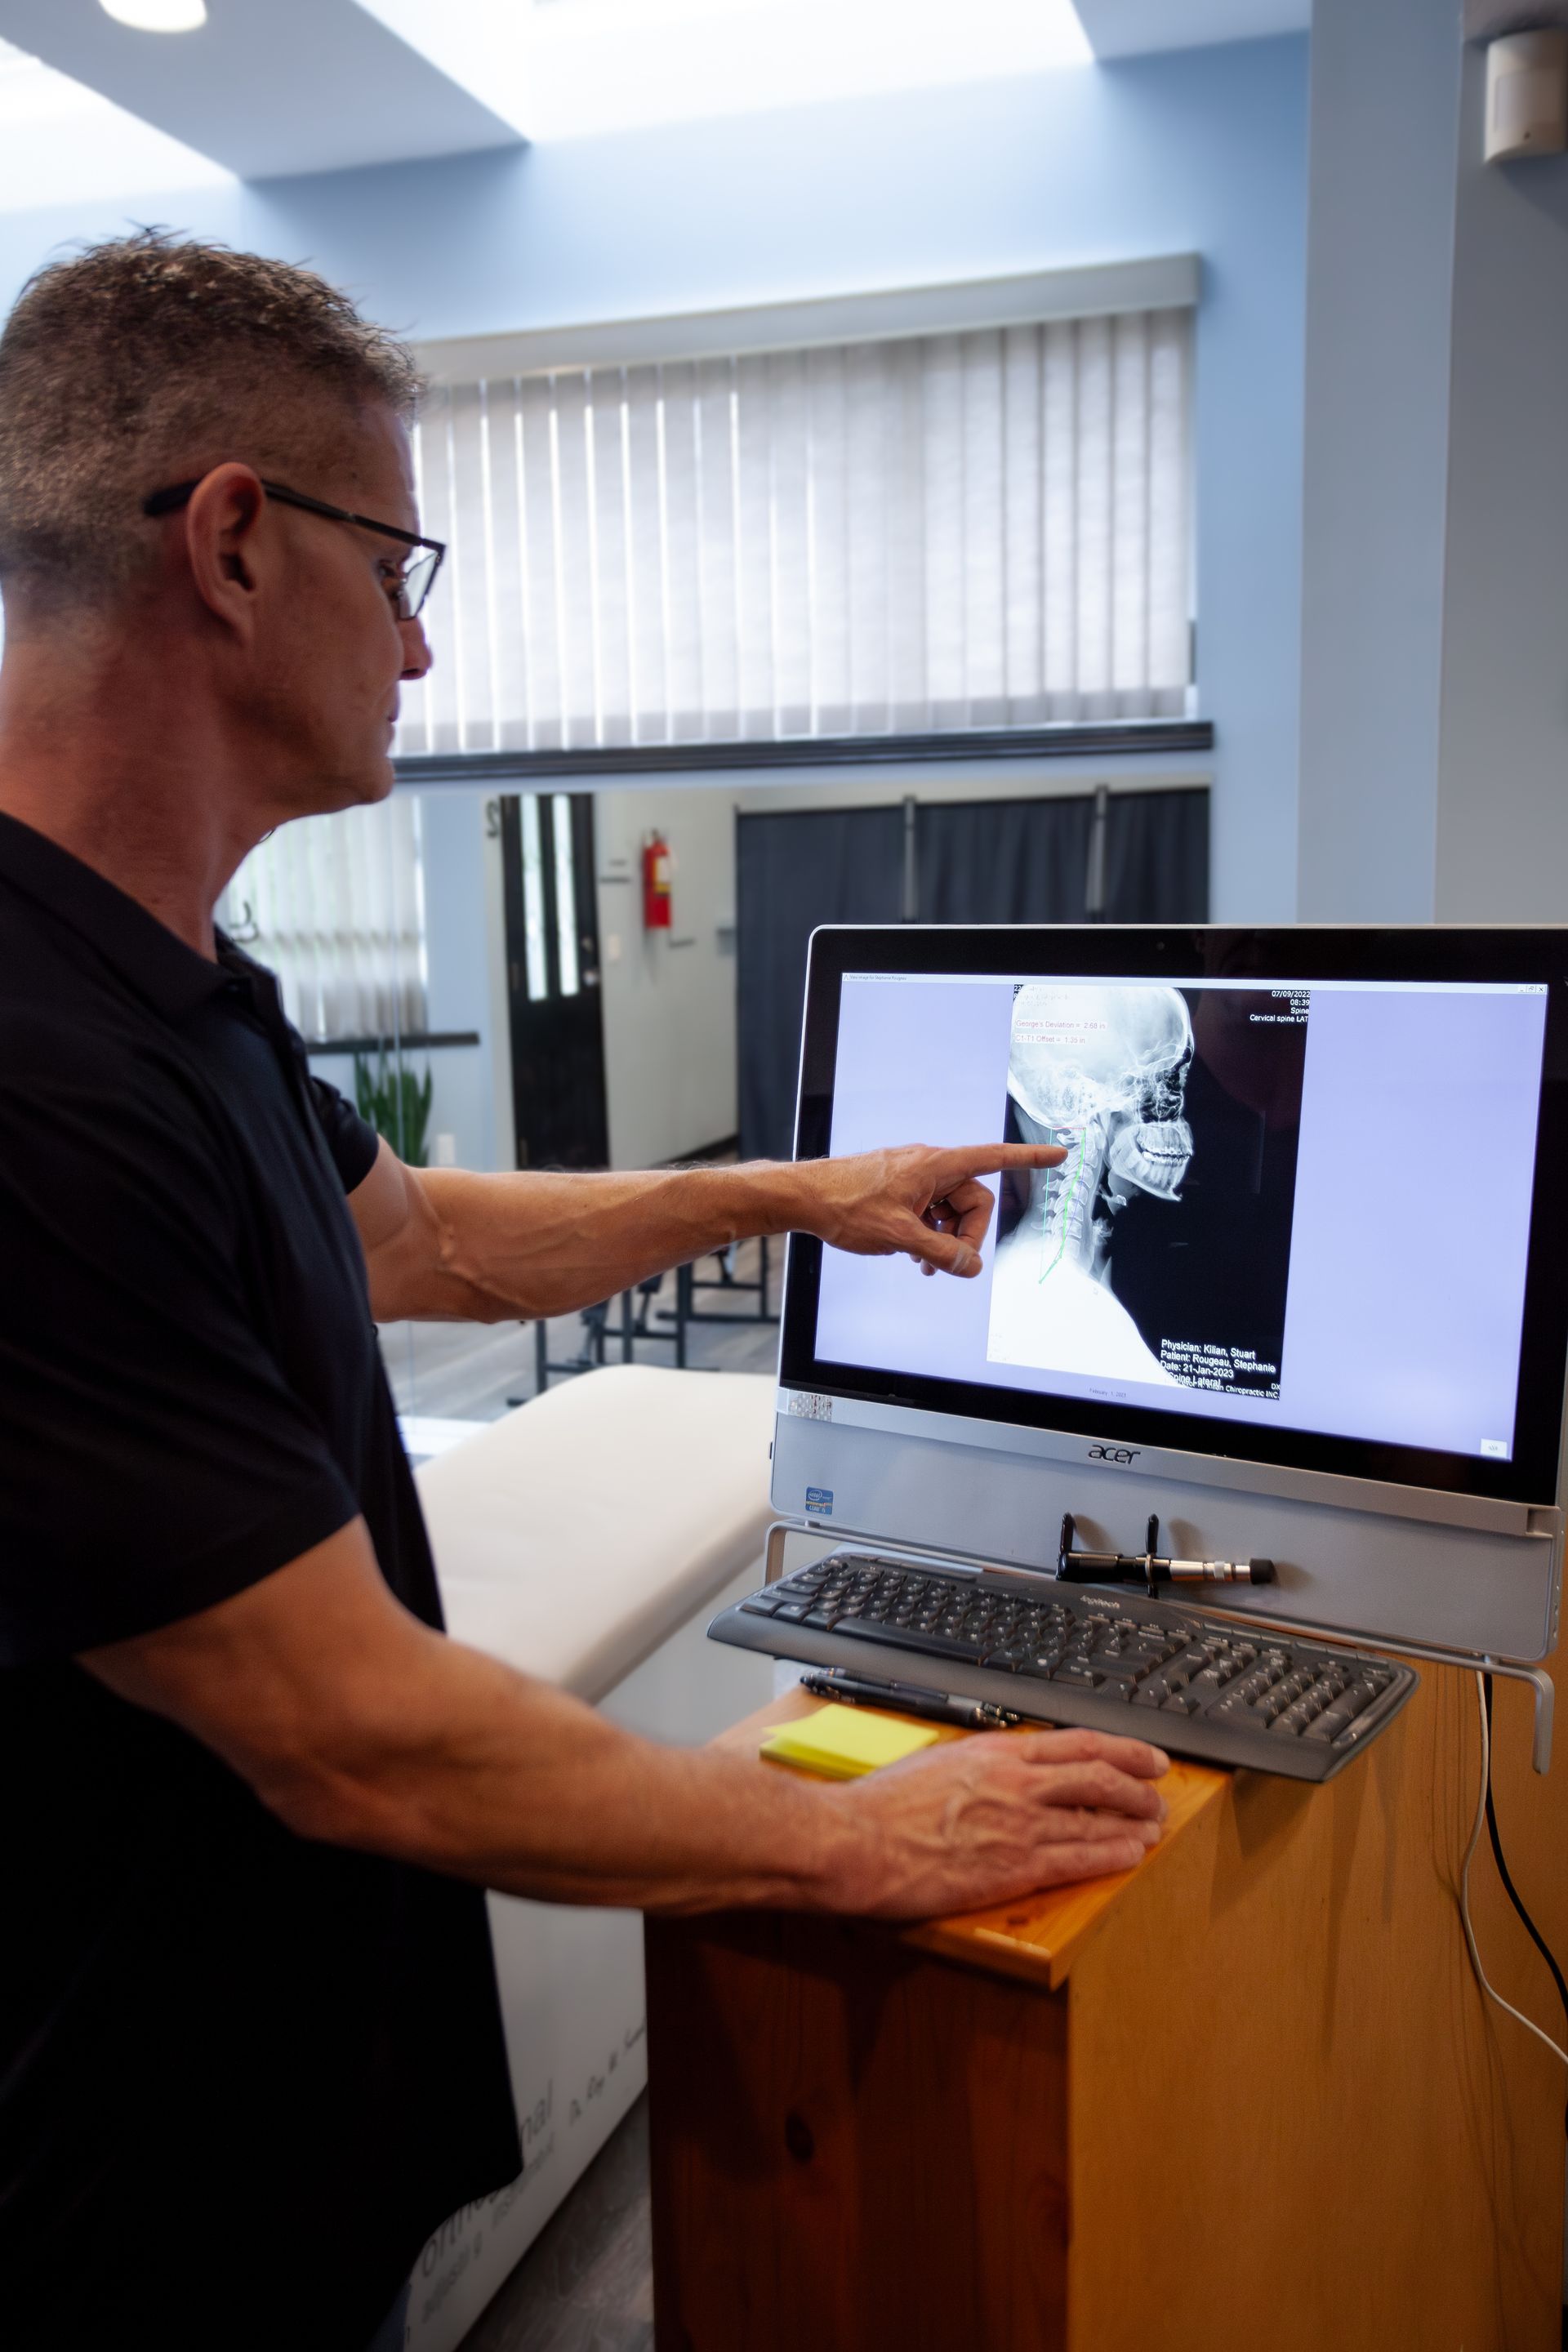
(396, 1103)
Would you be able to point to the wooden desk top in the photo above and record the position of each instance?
(1038, 1937)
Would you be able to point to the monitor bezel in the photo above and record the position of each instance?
(1496, 955)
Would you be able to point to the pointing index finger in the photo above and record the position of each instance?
(992, 1159)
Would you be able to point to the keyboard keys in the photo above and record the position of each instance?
(907, 1637)
(1207, 1674)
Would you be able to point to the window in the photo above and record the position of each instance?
(918, 532)
(335, 907)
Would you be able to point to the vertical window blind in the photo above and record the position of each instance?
(982, 529)
(335, 907)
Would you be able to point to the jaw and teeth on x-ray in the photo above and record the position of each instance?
(1102, 1072)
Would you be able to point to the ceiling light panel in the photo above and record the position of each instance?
(575, 68)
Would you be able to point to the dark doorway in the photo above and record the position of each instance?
(553, 979)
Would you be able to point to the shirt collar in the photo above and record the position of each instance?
(173, 977)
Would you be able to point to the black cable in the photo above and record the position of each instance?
(1509, 1889)
(1537, 1938)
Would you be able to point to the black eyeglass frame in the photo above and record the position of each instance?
(168, 501)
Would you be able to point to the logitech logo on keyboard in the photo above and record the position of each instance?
(1122, 1454)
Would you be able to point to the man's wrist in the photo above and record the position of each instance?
(772, 1197)
(836, 1869)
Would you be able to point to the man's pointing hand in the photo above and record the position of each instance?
(919, 1198)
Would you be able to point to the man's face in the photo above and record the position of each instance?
(333, 652)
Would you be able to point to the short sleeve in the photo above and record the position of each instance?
(154, 1458)
(352, 1140)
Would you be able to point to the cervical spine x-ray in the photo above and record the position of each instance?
(1158, 1251)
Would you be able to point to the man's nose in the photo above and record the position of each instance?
(417, 658)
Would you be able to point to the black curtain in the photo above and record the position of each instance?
(796, 869)
(975, 862)
(1157, 857)
(1001, 861)
(1028, 861)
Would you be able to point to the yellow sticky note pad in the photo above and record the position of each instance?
(841, 1742)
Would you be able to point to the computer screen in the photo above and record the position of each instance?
(1309, 1210)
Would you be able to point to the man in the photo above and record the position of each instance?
(249, 2047)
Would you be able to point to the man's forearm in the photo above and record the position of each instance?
(483, 1248)
(486, 1775)
(443, 1243)
(358, 1725)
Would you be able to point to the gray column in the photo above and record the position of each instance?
(1380, 252)
(1434, 644)
(1502, 783)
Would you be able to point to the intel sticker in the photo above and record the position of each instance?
(819, 1498)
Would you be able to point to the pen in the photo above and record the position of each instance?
(906, 1698)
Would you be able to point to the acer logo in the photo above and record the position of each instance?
(1123, 1453)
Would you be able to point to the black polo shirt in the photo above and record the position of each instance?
(242, 2077)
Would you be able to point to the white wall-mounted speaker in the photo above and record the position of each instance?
(1527, 95)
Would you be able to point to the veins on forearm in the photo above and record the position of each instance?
(538, 1244)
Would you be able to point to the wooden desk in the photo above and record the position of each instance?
(1244, 2098)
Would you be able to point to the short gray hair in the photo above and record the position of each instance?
(148, 360)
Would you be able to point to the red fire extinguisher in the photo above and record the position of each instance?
(658, 865)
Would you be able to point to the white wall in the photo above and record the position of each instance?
(668, 997)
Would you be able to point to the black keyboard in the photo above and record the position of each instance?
(1222, 1689)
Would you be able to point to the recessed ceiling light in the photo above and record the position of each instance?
(158, 15)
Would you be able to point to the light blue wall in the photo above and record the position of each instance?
(1203, 150)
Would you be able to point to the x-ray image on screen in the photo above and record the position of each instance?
(1159, 1250)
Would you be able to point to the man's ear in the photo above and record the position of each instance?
(227, 545)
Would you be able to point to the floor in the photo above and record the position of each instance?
(585, 2284)
(473, 1372)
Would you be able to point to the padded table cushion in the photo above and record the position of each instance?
(573, 1536)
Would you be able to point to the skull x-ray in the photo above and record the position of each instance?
(1158, 1251)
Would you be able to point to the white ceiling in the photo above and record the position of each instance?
(271, 87)
(265, 86)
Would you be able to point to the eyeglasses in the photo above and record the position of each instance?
(407, 591)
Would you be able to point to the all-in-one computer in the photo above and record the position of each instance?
(1291, 1310)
